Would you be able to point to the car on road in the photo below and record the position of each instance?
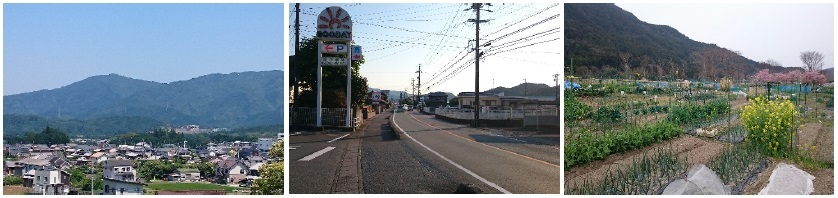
(398, 110)
(409, 107)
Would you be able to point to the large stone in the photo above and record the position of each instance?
(788, 180)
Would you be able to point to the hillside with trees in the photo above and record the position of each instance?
(605, 41)
(232, 100)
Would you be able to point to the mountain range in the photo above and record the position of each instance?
(532, 89)
(601, 38)
(234, 100)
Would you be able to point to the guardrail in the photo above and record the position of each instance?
(512, 114)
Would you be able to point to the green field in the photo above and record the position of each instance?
(189, 186)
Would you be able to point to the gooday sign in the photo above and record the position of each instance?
(334, 24)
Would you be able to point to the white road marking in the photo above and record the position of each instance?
(336, 139)
(317, 154)
(294, 147)
(484, 180)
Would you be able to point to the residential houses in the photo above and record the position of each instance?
(44, 169)
(120, 178)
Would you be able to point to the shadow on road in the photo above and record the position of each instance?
(387, 133)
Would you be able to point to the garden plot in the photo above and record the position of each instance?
(595, 123)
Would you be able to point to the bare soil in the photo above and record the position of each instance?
(14, 190)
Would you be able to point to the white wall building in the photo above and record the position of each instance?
(119, 170)
(120, 187)
(264, 144)
(120, 178)
(51, 181)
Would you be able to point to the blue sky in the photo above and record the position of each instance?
(47, 46)
(396, 38)
(760, 31)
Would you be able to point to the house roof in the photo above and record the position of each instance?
(228, 163)
(33, 161)
(256, 166)
(117, 162)
(97, 155)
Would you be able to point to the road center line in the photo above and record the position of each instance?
(487, 182)
(336, 139)
(317, 154)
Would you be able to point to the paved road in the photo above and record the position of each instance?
(430, 157)
(316, 175)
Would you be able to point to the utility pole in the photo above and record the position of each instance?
(525, 87)
(413, 85)
(296, 62)
(556, 78)
(419, 83)
(476, 7)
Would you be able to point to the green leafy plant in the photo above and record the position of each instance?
(573, 109)
(607, 115)
(586, 146)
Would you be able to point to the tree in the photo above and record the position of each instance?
(626, 57)
(10, 180)
(812, 60)
(271, 175)
(773, 62)
(453, 102)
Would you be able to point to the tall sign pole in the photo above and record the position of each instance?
(335, 26)
(349, 86)
(319, 86)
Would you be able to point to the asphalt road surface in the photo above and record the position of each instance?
(431, 156)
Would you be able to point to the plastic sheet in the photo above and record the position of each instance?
(788, 180)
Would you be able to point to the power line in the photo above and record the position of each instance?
(527, 38)
(407, 42)
(450, 65)
(408, 30)
(446, 28)
(393, 10)
(523, 19)
(527, 27)
(402, 14)
(532, 44)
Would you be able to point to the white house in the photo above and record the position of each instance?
(264, 144)
(51, 181)
(120, 178)
(120, 187)
(99, 157)
(120, 170)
